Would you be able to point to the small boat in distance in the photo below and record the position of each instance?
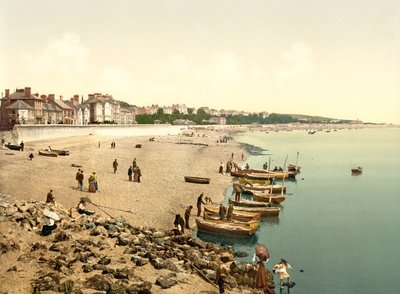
(47, 153)
(197, 180)
(357, 170)
(59, 152)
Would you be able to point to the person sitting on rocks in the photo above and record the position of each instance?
(49, 222)
(82, 208)
(50, 198)
(31, 156)
(179, 224)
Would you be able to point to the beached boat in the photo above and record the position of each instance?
(357, 170)
(244, 181)
(13, 147)
(216, 217)
(248, 203)
(259, 174)
(47, 153)
(59, 152)
(237, 215)
(266, 197)
(197, 180)
(274, 189)
(264, 211)
(225, 228)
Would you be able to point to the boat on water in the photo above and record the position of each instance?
(13, 147)
(225, 228)
(237, 215)
(197, 180)
(294, 168)
(248, 203)
(266, 197)
(274, 189)
(264, 211)
(216, 217)
(59, 152)
(47, 153)
(244, 181)
(357, 170)
(259, 174)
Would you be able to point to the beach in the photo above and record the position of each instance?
(154, 202)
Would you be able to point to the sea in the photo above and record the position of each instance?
(339, 232)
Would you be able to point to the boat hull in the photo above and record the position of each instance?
(225, 228)
(197, 180)
(47, 153)
(274, 198)
(239, 215)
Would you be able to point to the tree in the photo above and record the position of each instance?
(160, 111)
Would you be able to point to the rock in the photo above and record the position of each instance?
(209, 273)
(240, 254)
(12, 269)
(87, 268)
(26, 258)
(137, 260)
(196, 242)
(158, 263)
(139, 288)
(61, 236)
(95, 232)
(231, 281)
(104, 260)
(39, 246)
(159, 234)
(98, 282)
(123, 240)
(165, 282)
(58, 247)
(226, 257)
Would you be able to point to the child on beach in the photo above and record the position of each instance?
(280, 268)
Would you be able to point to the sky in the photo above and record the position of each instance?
(338, 59)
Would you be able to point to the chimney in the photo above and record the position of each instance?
(51, 97)
(7, 93)
(27, 91)
(44, 98)
(61, 97)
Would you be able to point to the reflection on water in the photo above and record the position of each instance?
(226, 240)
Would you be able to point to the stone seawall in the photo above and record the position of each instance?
(29, 133)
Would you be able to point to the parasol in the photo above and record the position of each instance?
(262, 252)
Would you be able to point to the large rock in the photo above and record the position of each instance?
(139, 288)
(166, 282)
(99, 282)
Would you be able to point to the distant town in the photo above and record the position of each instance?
(26, 107)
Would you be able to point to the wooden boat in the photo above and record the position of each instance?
(266, 197)
(13, 147)
(237, 215)
(47, 153)
(274, 189)
(264, 211)
(357, 170)
(244, 181)
(197, 180)
(248, 203)
(225, 228)
(216, 217)
(59, 152)
(293, 168)
(259, 174)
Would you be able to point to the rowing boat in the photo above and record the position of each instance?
(197, 180)
(264, 211)
(225, 228)
(263, 188)
(216, 217)
(237, 215)
(266, 197)
(13, 147)
(47, 153)
(248, 203)
(59, 152)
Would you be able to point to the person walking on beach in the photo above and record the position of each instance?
(221, 168)
(31, 156)
(199, 202)
(115, 165)
(187, 216)
(139, 174)
(134, 163)
(50, 198)
(130, 173)
(22, 145)
(263, 279)
(77, 176)
(80, 180)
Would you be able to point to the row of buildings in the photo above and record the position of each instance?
(24, 107)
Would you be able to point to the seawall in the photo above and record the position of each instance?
(28, 133)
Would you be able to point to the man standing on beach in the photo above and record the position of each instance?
(22, 145)
(80, 180)
(130, 173)
(115, 165)
(187, 216)
(139, 173)
(77, 177)
(199, 202)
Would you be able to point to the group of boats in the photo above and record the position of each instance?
(247, 214)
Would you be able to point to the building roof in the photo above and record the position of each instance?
(52, 107)
(20, 104)
(21, 95)
(62, 104)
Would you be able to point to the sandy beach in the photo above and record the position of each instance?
(154, 202)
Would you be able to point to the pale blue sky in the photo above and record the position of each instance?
(332, 58)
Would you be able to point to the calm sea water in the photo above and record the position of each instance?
(341, 230)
